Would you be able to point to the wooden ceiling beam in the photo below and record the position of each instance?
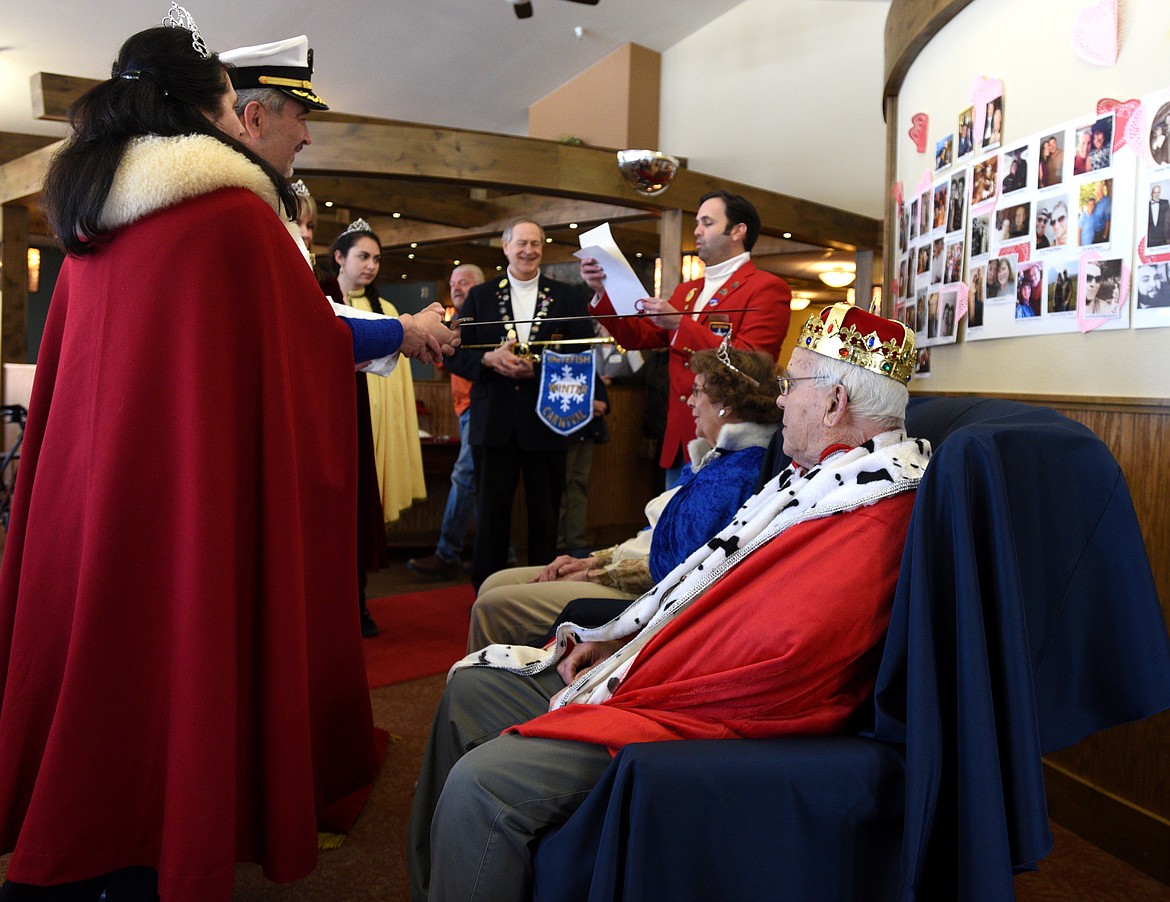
(53, 94)
(410, 150)
(365, 147)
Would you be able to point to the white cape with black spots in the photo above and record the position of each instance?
(886, 465)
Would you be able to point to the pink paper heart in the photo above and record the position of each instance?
(961, 304)
(1022, 252)
(1094, 33)
(899, 198)
(1128, 121)
(1151, 258)
(983, 91)
(918, 126)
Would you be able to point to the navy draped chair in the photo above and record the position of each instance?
(1025, 618)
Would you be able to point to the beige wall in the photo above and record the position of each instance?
(784, 94)
(1027, 46)
(613, 103)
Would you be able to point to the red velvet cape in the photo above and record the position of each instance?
(787, 642)
(181, 678)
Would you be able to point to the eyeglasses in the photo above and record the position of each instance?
(784, 382)
(1090, 278)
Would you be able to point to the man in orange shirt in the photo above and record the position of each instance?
(444, 563)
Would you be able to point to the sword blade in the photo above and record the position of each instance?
(472, 321)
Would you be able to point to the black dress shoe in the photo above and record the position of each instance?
(434, 567)
(369, 627)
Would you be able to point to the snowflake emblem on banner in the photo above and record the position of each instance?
(568, 388)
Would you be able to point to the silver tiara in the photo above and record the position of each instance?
(301, 189)
(177, 17)
(358, 225)
(725, 359)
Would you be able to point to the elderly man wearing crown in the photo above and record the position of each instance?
(772, 627)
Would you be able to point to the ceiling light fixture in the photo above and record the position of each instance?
(523, 10)
(799, 301)
(838, 277)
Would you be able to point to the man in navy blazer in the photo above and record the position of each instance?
(506, 434)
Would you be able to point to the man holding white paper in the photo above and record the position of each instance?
(733, 298)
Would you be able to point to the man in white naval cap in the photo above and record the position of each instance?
(274, 91)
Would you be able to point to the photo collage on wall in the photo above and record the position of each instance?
(1037, 236)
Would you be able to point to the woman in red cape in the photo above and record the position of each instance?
(181, 679)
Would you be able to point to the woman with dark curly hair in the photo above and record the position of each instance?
(733, 402)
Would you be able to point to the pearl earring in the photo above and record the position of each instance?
(722, 411)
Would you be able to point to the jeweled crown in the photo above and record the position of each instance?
(843, 332)
(358, 225)
(177, 17)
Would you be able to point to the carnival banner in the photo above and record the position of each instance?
(565, 400)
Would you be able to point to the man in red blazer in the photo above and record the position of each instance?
(726, 229)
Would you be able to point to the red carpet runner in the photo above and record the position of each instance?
(420, 634)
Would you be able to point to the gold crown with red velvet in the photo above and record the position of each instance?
(843, 332)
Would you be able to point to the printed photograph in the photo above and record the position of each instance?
(944, 150)
(993, 124)
(1153, 285)
(980, 233)
(1050, 167)
(948, 301)
(975, 297)
(953, 270)
(984, 184)
(1158, 215)
(1096, 217)
(1015, 170)
(965, 144)
(1102, 281)
(1001, 278)
(958, 203)
(1029, 290)
(1062, 287)
(1013, 222)
(1094, 146)
(940, 206)
(1051, 223)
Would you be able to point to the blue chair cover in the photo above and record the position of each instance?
(1025, 618)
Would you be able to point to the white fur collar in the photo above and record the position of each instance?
(157, 172)
(732, 437)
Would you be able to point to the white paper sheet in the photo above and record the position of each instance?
(622, 285)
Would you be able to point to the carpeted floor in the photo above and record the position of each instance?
(420, 634)
(371, 865)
